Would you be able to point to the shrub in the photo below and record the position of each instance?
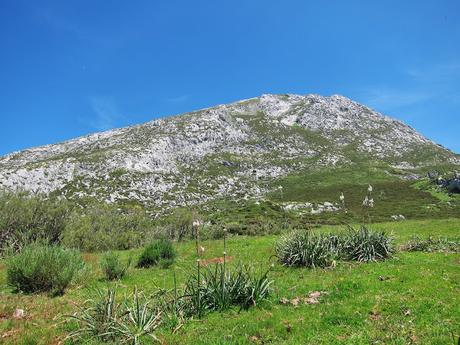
(43, 268)
(220, 288)
(105, 227)
(109, 320)
(25, 219)
(180, 224)
(365, 245)
(432, 244)
(305, 248)
(158, 252)
(113, 267)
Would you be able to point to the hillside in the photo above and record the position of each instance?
(237, 151)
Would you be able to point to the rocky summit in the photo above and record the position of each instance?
(236, 151)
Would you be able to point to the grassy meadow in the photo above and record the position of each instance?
(412, 298)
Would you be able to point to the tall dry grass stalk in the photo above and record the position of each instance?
(196, 225)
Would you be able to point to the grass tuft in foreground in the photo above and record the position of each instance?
(110, 320)
(218, 289)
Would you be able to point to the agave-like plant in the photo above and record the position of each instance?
(138, 320)
(97, 317)
(219, 288)
(107, 320)
(305, 248)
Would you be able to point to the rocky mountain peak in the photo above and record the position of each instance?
(222, 151)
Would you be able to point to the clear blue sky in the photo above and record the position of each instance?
(68, 68)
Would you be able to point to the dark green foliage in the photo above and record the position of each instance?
(218, 288)
(25, 219)
(158, 252)
(113, 267)
(454, 186)
(109, 320)
(102, 227)
(364, 245)
(43, 268)
(432, 244)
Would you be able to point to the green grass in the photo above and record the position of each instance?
(412, 298)
(391, 196)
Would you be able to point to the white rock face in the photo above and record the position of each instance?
(232, 151)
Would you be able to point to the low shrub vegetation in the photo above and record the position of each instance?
(432, 244)
(159, 252)
(25, 219)
(104, 227)
(43, 268)
(91, 227)
(113, 267)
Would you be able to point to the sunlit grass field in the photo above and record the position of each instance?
(413, 298)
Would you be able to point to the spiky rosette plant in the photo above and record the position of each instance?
(365, 245)
(108, 319)
(308, 249)
(218, 288)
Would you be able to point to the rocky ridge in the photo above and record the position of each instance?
(237, 151)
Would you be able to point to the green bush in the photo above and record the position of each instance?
(43, 268)
(105, 227)
(305, 248)
(158, 252)
(113, 267)
(25, 219)
(365, 245)
(179, 225)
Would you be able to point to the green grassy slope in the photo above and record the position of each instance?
(412, 298)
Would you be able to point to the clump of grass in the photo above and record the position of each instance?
(113, 267)
(432, 244)
(109, 320)
(43, 268)
(365, 245)
(218, 289)
(308, 249)
(159, 252)
(221, 288)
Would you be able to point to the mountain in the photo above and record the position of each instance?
(240, 150)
